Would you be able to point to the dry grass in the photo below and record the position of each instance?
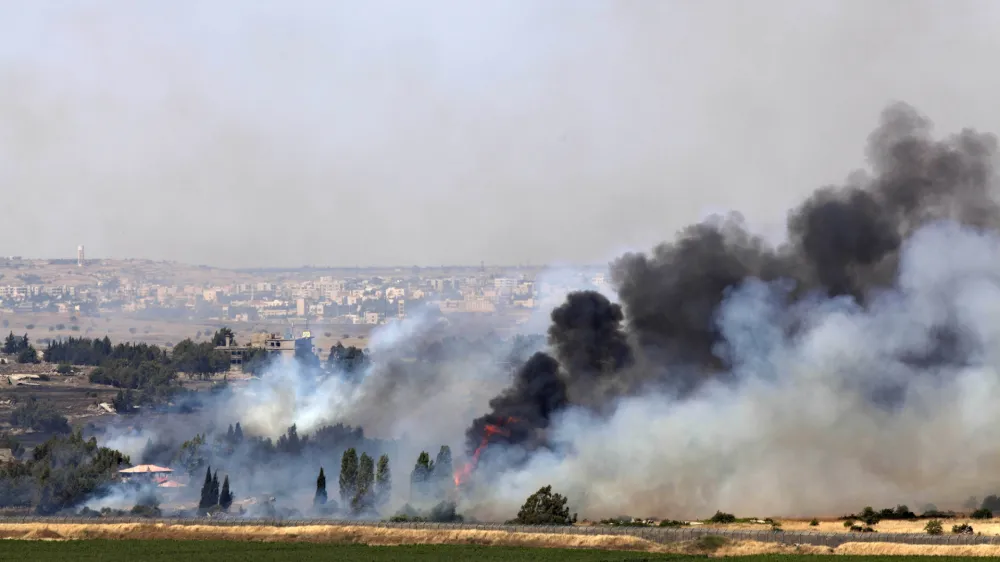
(986, 527)
(393, 537)
(326, 534)
(896, 549)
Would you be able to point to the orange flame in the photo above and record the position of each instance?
(462, 474)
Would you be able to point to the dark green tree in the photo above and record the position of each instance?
(206, 491)
(222, 336)
(320, 497)
(10, 344)
(348, 476)
(238, 434)
(214, 497)
(27, 355)
(444, 471)
(420, 476)
(545, 508)
(383, 482)
(364, 496)
(226, 496)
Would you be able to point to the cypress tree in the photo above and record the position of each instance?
(206, 490)
(214, 497)
(238, 433)
(320, 497)
(230, 435)
(383, 482)
(226, 496)
(365, 490)
(348, 475)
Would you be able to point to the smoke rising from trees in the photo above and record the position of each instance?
(762, 375)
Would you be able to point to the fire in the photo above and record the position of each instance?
(462, 474)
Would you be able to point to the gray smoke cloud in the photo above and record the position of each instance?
(809, 378)
(853, 364)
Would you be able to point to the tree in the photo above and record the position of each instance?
(10, 344)
(206, 491)
(545, 508)
(27, 355)
(364, 495)
(383, 482)
(222, 336)
(226, 496)
(238, 434)
(214, 497)
(934, 527)
(320, 497)
(348, 475)
(444, 472)
(421, 475)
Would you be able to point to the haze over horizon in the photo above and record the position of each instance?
(253, 134)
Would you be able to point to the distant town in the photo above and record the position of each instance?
(165, 291)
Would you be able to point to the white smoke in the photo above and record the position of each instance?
(802, 432)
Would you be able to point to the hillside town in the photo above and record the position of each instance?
(153, 290)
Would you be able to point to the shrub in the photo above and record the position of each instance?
(64, 369)
(848, 523)
(934, 527)
(814, 523)
(721, 517)
(982, 513)
(40, 417)
(963, 529)
(857, 529)
(710, 542)
(673, 523)
(27, 355)
(545, 508)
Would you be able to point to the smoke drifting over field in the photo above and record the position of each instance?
(853, 364)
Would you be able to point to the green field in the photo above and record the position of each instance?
(194, 551)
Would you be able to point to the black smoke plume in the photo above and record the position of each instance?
(843, 241)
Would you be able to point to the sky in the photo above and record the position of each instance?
(241, 133)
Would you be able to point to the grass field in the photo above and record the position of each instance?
(195, 551)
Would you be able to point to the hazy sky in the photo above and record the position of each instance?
(241, 133)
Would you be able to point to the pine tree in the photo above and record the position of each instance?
(348, 475)
(10, 343)
(383, 482)
(206, 491)
(238, 433)
(421, 474)
(214, 497)
(320, 497)
(226, 496)
(230, 435)
(444, 472)
(364, 494)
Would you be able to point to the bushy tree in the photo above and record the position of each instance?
(364, 494)
(40, 416)
(420, 476)
(934, 527)
(28, 355)
(545, 508)
(383, 482)
(320, 497)
(444, 471)
(348, 475)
